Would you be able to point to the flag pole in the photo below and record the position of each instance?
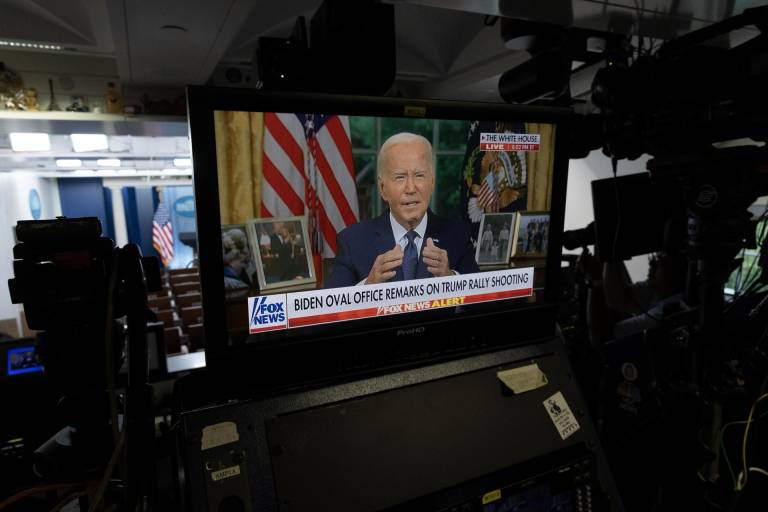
(313, 200)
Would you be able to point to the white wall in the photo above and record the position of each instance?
(14, 206)
(578, 202)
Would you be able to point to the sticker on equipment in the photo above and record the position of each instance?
(561, 415)
(225, 473)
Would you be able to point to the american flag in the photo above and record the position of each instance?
(162, 234)
(487, 197)
(308, 169)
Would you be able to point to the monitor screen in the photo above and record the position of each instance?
(339, 215)
(23, 360)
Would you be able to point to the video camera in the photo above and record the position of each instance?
(698, 108)
(689, 94)
(88, 298)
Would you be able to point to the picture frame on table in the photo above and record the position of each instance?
(496, 238)
(237, 252)
(532, 235)
(283, 253)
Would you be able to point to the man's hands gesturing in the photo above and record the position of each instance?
(436, 259)
(384, 266)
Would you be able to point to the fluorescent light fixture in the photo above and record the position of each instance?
(30, 141)
(182, 162)
(83, 142)
(69, 162)
(84, 172)
(108, 162)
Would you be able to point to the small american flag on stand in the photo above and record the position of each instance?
(162, 234)
(487, 197)
(308, 169)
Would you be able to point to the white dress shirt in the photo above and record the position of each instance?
(399, 233)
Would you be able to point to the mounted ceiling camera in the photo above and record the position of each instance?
(351, 50)
(556, 51)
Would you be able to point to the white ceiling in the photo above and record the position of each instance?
(445, 48)
(443, 45)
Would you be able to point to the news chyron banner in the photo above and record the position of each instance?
(509, 141)
(316, 307)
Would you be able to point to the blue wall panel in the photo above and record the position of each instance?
(84, 197)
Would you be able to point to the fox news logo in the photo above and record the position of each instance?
(266, 313)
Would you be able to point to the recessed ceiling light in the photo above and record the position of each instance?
(182, 162)
(83, 142)
(68, 162)
(108, 162)
(30, 141)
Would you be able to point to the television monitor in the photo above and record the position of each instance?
(19, 357)
(278, 176)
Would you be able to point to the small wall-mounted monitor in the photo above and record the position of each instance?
(339, 234)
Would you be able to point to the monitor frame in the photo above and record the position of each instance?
(231, 362)
(14, 344)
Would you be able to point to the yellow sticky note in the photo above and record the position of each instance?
(524, 378)
(219, 434)
(491, 496)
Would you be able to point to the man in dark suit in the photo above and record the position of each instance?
(408, 241)
(282, 251)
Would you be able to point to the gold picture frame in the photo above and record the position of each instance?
(237, 253)
(283, 254)
(531, 235)
(496, 238)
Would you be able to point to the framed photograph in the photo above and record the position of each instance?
(532, 235)
(496, 238)
(283, 255)
(239, 263)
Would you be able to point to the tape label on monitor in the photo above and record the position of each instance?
(225, 473)
(498, 141)
(561, 415)
(219, 434)
(524, 378)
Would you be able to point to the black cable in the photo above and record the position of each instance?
(614, 166)
(490, 20)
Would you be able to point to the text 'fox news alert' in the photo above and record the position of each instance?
(509, 141)
(316, 307)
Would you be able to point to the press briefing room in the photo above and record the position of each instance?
(383, 255)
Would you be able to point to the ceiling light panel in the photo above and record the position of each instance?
(29, 46)
(30, 141)
(108, 162)
(85, 142)
(68, 163)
